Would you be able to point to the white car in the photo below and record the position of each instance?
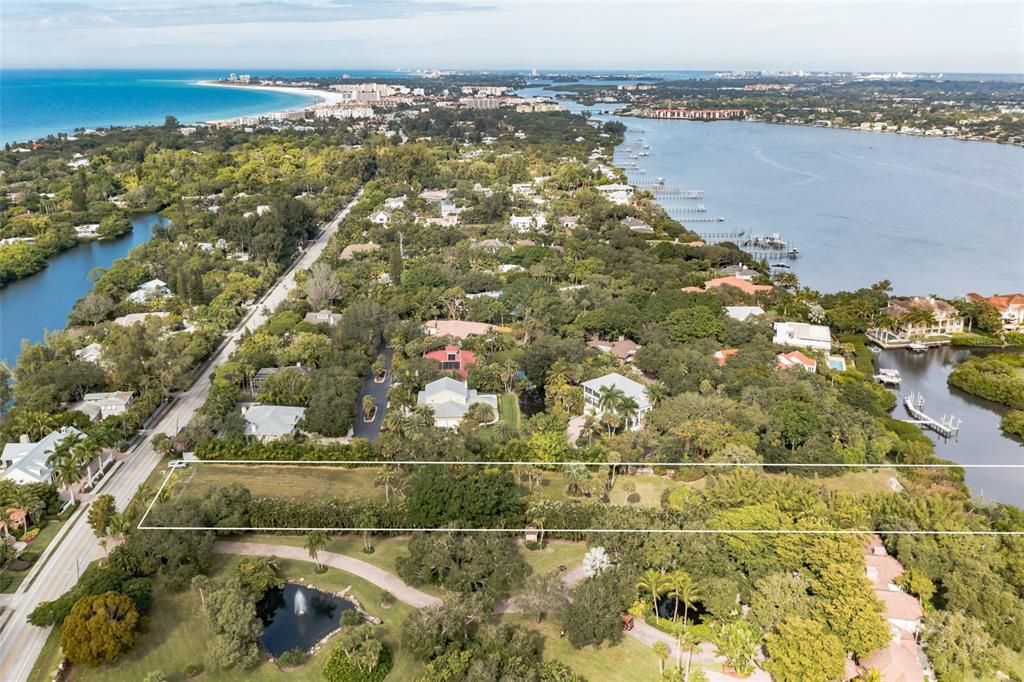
(177, 464)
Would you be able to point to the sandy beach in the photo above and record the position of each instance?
(320, 97)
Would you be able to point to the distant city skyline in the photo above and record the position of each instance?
(954, 37)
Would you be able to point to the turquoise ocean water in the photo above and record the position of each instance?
(35, 103)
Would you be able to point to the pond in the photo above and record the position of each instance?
(297, 617)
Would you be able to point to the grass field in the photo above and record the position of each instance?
(508, 409)
(861, 482)
(177, 636)
(288, 481)
(553, 486)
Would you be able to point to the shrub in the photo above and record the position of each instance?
(340, 669)
(193, 670)
(1013, 423)
(293, 658)
(387, 599)
(351, 617)
(30, 535)
(99, 629)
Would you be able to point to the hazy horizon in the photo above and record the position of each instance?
(950, 37)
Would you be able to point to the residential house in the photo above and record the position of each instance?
(271, 422)
(524, 189)
(946, 319)
(742, 312)
(741, 271)
(453, 359)
(99, 406)
(90, 353)
(451, 399)
(738, 283)
(616, 193)
(460, 329)
(265, 373)
(434, 195)
(1010, 307)
(87, 231)
(629, 388)
(902, 659)
(148, 291)
(324, 316)
(380, 218)
(803, 335)
(395, 203)
(26, 462)
(796, 359)
(624, 349)
(722, 356)
(491, 245)
(569, 222)
(637, 225)
(449, 220)
(527, 223)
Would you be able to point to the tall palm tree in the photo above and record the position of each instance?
(316, 540)
(386, 479)
(68, 471)
(661, 651)
(654, 583)
(629, 409)
(683, 589)
(657, 392)
(609, 398)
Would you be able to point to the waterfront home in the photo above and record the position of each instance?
(87, 231)
(637, 225)
(324, 316)
(796, 359)
(902, 659)
(451, 399)
(395, 203)
(923, 316)
(722, 356)
(90, 353)
(453, 359)
(740, 271)
(737, 283)
(624, 349)
(271, 422)
(26, 462)
(99, 406)
(742, 312)
(1010, 307)
(803, 335)
(592, 391)
(616, 193)
(460, 329)
(148, 291)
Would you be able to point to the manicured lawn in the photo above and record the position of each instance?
(288, 481)
(553, 486)
(555, 553)
(865, 482)
(35, 548)
(177, 635)
(627, 660)
(508, 409)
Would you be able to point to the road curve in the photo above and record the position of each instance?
(20, 642)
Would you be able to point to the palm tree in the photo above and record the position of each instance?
(657, 392)
(629, 409)
(609, 398)
(614, 459)
(68, 471)
(316, 540)
(683, 589)
(662, 652)
(654, 583)
(369, 407)
(386, 479)
(576, 476)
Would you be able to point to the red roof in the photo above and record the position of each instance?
(737, 283)
(794, 358)
(721, 356)
(453, 359)
(1000, 301)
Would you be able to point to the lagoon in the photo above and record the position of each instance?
(31, 306)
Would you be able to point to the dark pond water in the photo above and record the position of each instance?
(297, 617)
(980, 440)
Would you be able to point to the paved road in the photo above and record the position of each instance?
(370, 430)
(20, 643)
(368, 572)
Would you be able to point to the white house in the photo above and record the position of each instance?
(99, 406)
(803, 335)
(524, 223)
(87, 231)
(637, 225)
(323, 317)
(25, 461)
(90, 353)
(570, 221)
(153, 289)
(380, 218)
(395, 203)
(451, 399)
(523, 189)
(270, 422)
(629, 388)
(616, 193)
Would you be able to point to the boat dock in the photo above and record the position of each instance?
(703, 219)
(889, 377)
(716, 237)
(699, 208)
(947, 427)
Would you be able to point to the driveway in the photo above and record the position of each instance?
(370, 430)
(703, 655)
(368, 572)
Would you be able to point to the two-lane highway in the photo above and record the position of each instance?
(20, 642)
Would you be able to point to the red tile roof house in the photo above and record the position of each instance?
(902, 660)
(722, 356)
(453, 359)
(624, 349)
(1010, 307)
(796, 359)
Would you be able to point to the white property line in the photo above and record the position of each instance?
(448, 462)
(608, 531)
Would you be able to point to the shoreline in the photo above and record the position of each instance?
(319, 97)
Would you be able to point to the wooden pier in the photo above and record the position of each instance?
(703, 219)
(719, 237)
(687, 209)
(675, 192)
(947, 427)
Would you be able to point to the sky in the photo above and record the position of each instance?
(965, 37)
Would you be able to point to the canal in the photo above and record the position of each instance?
(980, 440)
(31, 306)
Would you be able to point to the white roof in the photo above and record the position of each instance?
(805, 331)
(26, 462)
(742, 312)
(451, 398)
(632, 389)
(268, 421)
